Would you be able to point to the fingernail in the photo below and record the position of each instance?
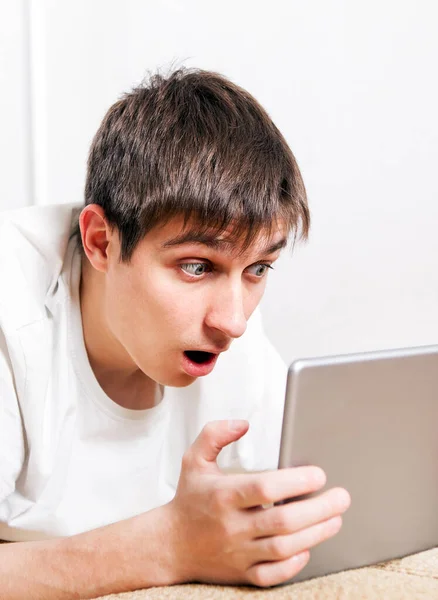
(320, 477)
(345, 499)
(236, 424)
(300, 557)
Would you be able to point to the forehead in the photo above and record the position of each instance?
(231, 239)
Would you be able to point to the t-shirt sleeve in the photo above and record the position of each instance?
(267, 419)
(11, 429)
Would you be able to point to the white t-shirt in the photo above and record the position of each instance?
(71, 459)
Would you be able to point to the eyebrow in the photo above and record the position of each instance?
(211, 241)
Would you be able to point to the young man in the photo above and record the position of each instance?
(134, 371)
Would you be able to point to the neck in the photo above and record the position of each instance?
(117, 374)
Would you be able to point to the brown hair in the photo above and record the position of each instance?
(196, 145)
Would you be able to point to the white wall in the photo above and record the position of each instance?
(353, 87)
(15, 140)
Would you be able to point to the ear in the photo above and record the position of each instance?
(98, 238)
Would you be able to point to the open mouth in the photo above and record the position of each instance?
(197, 363)
(199, 357)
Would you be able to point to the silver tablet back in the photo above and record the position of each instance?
(371, 422)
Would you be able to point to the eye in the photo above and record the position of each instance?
(195, 269)
(260, 269)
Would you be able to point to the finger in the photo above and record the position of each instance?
(289, 518)
(282, 547)
(214, 436)
(273, 486)
(273, 573)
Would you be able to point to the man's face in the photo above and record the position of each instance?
(182, 300)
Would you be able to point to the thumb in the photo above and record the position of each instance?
(214, 436)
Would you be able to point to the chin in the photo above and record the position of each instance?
(177, 380)
(180, 381)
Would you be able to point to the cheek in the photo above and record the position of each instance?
(253, 297)
(126, 305)
(148, 301)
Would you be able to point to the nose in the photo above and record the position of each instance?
(226, 311)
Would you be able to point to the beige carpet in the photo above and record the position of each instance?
(411, 578)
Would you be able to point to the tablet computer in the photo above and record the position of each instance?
(370, 421)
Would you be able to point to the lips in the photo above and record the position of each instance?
(198, 363)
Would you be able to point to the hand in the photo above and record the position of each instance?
(221, 533)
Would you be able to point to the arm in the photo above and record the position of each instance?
(124, 556)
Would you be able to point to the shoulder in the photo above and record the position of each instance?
(33, 242)
(260, 374)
